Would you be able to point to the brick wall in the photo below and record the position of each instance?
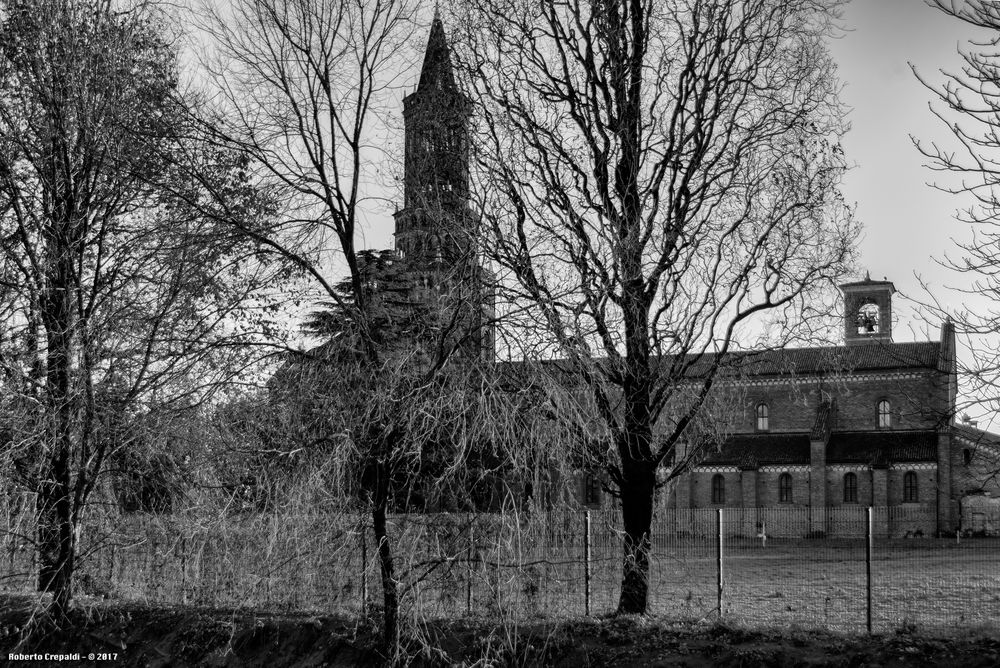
(767, 489)
(701, 490)
(835, 486)
(981, 473)
(838, 518)
(917, 402)
(768, 492)
(926, 486)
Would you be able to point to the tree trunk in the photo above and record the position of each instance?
(55, 485)
(635, 440)
(55, 525)
(390, 595)
(637, 517)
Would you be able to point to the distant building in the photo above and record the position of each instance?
(869, 423)
(432, 285)
(436, 230)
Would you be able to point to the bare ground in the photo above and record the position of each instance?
(150, 636)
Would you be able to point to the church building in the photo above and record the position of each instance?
(436, 230)
(828, 429)
(823, 432)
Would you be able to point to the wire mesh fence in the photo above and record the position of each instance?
(878, 568)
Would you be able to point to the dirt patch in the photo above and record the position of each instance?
(147, 636)
(138, 635)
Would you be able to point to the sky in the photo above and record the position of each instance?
(907, 222)
(908, 225)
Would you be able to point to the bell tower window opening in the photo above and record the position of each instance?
(868, 319)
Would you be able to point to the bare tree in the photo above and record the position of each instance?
(400, 439)
(659, 186)
(117, 289)
(971, 112)
(302, 90)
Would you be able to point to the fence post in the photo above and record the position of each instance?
(151, 573)
(12, 545)
(364, 570)
(500, 528)
(34, 575)
(184, 570)
(468, 574)
(718, 559)
(111, 563)
(586, 561)
(868, 570)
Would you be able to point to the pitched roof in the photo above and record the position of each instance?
(977, 437)
(827, 359)
(436, 72)
(974, 434)
(867, 283)
(748, 451)
(882, 447)
(881, 356)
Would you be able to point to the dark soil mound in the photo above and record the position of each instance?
(145, 636)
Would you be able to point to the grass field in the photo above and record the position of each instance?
(451, 572)
(815, 583)
(823, 583)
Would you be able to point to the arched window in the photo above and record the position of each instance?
(762, 415)
(966, 456)
(884, 414)
(785, 488)
(910, 487)
(718, 488)
(867, 319)
(850, 488)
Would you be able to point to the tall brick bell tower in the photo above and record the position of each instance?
(436, 230)
(867, 311)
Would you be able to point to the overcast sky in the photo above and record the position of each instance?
(907, 223)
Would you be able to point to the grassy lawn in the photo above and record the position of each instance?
(810, 583)
(928, 583)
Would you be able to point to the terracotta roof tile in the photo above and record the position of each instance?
(790, 361)
(829, 359)
(977, 438)
(751, 450)
(882, 447)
